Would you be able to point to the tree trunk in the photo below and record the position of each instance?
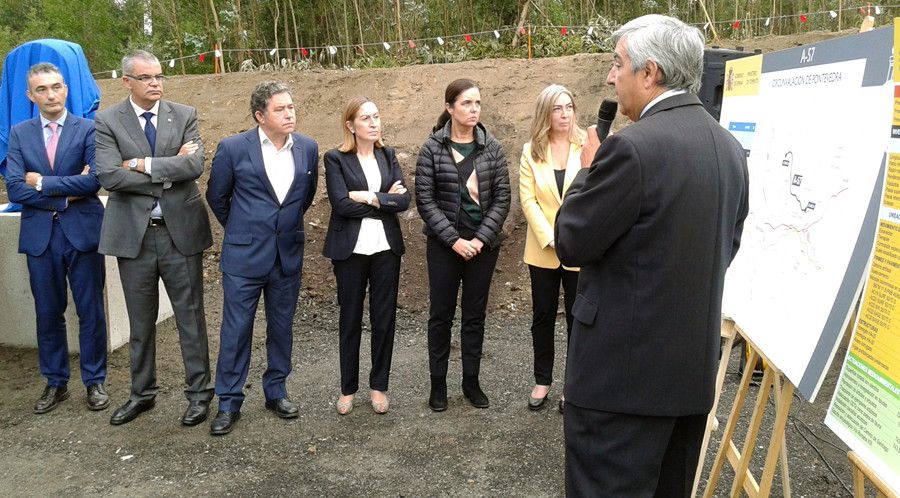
(522, 16)
(362, 41)
(397, 15)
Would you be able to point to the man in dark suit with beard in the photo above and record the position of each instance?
(653, 223)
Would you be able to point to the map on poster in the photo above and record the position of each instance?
(815, 122)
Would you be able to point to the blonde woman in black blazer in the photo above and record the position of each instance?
(364, 242)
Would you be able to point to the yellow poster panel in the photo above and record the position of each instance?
(742, 76)
(877, 341)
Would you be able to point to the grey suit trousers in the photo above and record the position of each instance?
(183, 280)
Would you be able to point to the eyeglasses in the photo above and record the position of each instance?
(146, 78)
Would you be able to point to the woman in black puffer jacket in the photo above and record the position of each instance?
(463, 197)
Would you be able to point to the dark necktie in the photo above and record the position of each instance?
(150, 132)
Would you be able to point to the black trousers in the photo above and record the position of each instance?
(635, 456)
(381, 273)
(446, 271)
(544, 303)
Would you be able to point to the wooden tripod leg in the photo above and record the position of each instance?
(742, 468)
(728, 334)
(728, 433)
(776, 443)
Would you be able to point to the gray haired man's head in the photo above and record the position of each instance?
(128, 60)
(259, 99)
(675, 47)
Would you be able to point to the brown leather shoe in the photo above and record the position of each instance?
(50, 399)
(97, 399)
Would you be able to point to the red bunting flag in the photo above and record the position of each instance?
(304, 52)
(522, 30)
(736, 25)
(563, 31)
(202, 57)
(802, 17)
(468, 38)
(412, 44)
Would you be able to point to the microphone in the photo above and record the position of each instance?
(605, 116)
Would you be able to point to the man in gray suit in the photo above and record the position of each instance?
(149, 157)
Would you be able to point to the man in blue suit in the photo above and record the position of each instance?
(50, 171)
(262, 181)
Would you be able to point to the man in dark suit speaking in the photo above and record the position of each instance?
(653, 222)
(262, 181)
(149, 157)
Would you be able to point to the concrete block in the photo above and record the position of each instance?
(17, 303)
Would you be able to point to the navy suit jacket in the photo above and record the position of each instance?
(258, 228)
(81, 219)
(343, 174)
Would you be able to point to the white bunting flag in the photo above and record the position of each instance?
(218, 53)
(172, 63)
(272, 52)
(590, 31)
(767, 21)
(387, 46)
(440, 40)
(496, 34)
(332, 50)
(705, 26)
(833, 14)
(115, 74)
(877, 10)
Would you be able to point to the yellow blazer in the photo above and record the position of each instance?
(540, 202)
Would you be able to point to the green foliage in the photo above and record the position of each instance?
(181, 29)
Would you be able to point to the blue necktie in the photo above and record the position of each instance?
(150, 131)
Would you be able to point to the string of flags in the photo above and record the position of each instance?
(564, 31)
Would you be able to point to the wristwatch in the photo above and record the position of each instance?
(132, 165)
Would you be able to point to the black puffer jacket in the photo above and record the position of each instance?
(437, 187)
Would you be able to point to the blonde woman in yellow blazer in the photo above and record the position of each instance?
(548, 165)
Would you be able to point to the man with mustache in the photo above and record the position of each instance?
(261, 184)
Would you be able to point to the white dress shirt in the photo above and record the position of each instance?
(371, 237)
(279, 164)
(661, 97)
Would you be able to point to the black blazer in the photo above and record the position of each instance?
(343, 174)
(653, 224)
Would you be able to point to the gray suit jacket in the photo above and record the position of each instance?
(120, 138)
(653, 224)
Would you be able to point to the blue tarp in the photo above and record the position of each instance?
(84, 95)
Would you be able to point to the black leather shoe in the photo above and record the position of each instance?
(196, 412)
(223, 423)
(472, 391)
(535, 404)
(283, 407)
(130, 410)
(97, 399)
(437, 400)
(50, 398)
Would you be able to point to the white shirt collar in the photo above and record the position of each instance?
(59, 121)
(661, 97)
(264, 139)
(139, 110)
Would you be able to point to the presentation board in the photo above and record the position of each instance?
(815, 123)
(865, 409)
